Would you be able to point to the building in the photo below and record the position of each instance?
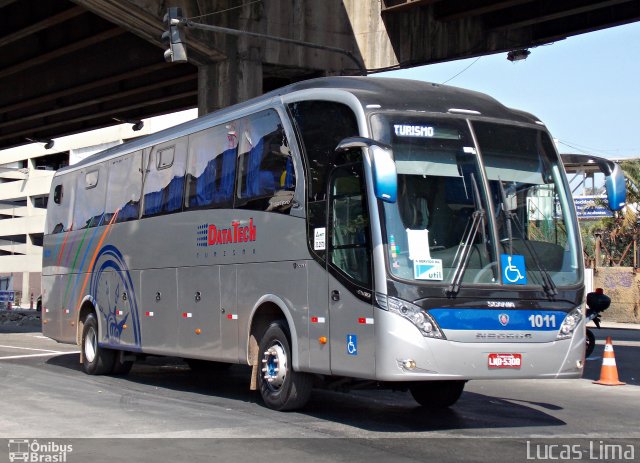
(25, 179)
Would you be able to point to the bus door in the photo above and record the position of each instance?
(350, 274)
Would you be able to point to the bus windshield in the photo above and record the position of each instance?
(442, 229)
(531, 200)
(439, 224)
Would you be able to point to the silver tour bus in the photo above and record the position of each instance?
(339, 231)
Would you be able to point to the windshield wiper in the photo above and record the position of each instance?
(547, 282)
(464, 248)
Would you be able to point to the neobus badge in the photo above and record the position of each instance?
(233, 234)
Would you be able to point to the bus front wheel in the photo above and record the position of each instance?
(281, 388)
(96, 360)
(436, 395)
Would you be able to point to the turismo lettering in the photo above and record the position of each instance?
(414, 131)
(234, 234)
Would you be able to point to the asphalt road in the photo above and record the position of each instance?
(45, 396)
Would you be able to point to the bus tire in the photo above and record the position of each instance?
(96, 360)
(436, 395)
(281, 388)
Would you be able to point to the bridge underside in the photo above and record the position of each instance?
(70, 66)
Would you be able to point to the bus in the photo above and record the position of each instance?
(342, 231)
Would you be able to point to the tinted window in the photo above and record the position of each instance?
(125, 187)
(90, 196)
(57, 194)
(59, 213)
(164, 181)
(322, 125)
(267, 176)
(211, 169)
(349, 225)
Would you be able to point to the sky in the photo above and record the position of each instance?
(586, 89)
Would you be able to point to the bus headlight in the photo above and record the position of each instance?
(421, 319)
(570, 323)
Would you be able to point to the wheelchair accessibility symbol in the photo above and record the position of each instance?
(352, 344)
(514, 271)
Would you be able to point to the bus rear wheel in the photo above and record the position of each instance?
(436, 395)
(96, 359)
(281, 388)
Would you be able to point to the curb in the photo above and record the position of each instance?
(616, 325)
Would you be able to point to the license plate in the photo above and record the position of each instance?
(505, 360)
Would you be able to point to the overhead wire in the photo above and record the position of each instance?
(451, 78)
(237, 7)
(573, 147)
(602, 150)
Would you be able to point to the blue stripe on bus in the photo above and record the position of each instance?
(490, 319)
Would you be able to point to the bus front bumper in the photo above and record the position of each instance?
(404, 354)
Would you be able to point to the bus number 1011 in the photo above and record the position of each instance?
(540, 321)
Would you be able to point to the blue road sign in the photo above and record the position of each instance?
(7, 296)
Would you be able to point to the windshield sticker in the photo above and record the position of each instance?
(319, 241)
(418, 244)
(394, 249)
(428, 269)
(514, 271)
(469, 150)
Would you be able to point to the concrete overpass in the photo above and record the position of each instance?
(68, 66)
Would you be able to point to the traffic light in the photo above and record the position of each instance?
(174, 37)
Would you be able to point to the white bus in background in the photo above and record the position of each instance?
(339, 231)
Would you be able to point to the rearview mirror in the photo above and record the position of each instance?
(616, 188)
(613, 177)
(385, 176)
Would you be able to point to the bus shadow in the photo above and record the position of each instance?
(172, 374)
(374, 411)
(397, 412)
(20, 329)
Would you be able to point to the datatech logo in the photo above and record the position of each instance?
(237, 232)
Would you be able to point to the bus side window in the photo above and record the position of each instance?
(125, 187)
(350, 250)
(164, 181)
(57, 194)
(59, 212)
(266, 181)
(91, 190)
(211, 167)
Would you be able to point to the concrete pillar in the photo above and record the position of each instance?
(25, 290)
(228, 82)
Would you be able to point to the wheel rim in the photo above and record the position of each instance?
(90, 345)
(274, 367)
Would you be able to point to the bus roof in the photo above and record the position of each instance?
(374, 93)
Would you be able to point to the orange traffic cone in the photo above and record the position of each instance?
(609, 371)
